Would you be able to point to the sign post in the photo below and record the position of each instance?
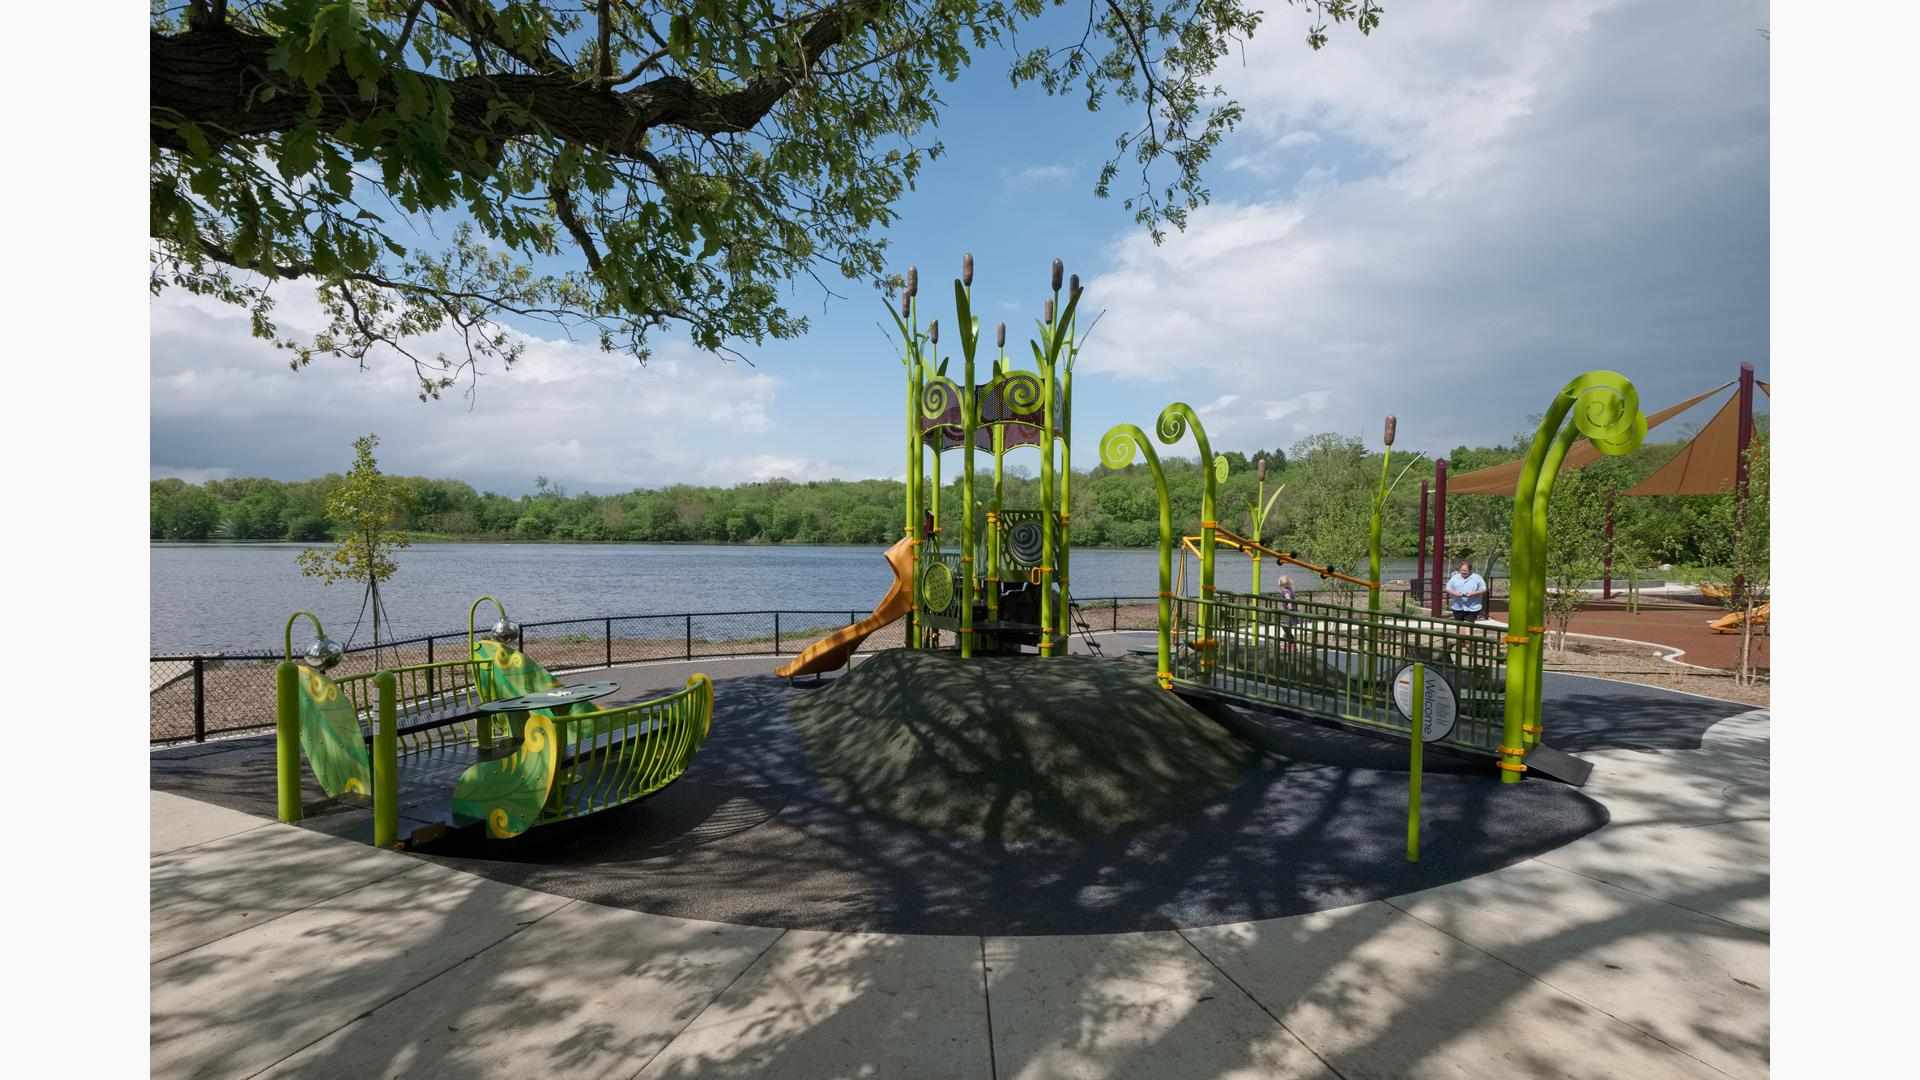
(1429, 706)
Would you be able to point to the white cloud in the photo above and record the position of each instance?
(1312, 401)
(1584, 186)
(225, 403)
(1054, 173)
(1272, 157)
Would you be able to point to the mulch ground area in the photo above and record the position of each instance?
(1663, 621)
(753, 834)
(1015, 749)
(1666, 622)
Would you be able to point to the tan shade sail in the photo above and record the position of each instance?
(1704, 466)
(1502, 479)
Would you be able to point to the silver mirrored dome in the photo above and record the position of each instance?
(324, 653)
(505, 630)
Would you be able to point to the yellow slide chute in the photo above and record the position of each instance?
(832, 652)
(1228, 538)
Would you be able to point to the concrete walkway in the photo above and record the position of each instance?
(1638, 951)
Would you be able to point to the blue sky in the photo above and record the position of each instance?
(1445, 221)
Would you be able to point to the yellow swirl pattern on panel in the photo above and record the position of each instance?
(509, 794)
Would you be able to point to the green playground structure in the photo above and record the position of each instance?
(1339, 664)
(1319, 660)
(417, 743)
(1022, 597)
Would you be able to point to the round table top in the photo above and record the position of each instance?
(555, 696)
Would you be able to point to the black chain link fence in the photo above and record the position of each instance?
(197, 696)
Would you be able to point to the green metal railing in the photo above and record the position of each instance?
(1338, 663)
(618, 755)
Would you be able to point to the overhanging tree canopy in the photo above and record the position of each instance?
(608, 166)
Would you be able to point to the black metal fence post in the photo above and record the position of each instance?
(609, 642)
(689, 636)
(1116, 613)
(776, 633)
(199, 699)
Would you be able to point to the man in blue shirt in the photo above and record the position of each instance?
(1469, 593)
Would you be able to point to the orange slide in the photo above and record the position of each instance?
(832, 651)
(1730, 624)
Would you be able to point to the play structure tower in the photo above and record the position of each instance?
(999, 580)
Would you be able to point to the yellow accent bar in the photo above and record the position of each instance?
(1228, 538)
(1511, 767)
(1516, 639)
(1516, 750)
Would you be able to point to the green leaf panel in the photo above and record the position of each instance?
(508, 794)
(330, 735)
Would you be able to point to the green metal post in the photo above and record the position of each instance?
(1259, 499)
(914, 445)
(1117, 448)
(1173, 423)
(1606, 409)
(386, 756)
(1065, 554)
(995, 527)
(1413, 772)
(1532, 728)
(969, 421)
(1372, 678)
(1046, 489)
(286, 709)
(1373, 531)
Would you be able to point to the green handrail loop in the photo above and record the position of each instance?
(497, 606)
(318, 631)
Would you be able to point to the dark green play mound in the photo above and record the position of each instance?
(1015, 748)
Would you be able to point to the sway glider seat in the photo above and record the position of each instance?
(447, 765)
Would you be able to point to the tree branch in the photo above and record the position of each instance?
(212, 79)
(478, 19)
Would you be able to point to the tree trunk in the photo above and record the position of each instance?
(1746, 643)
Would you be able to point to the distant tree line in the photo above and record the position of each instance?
(1321, 515)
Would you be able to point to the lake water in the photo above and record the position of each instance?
(236, 597)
